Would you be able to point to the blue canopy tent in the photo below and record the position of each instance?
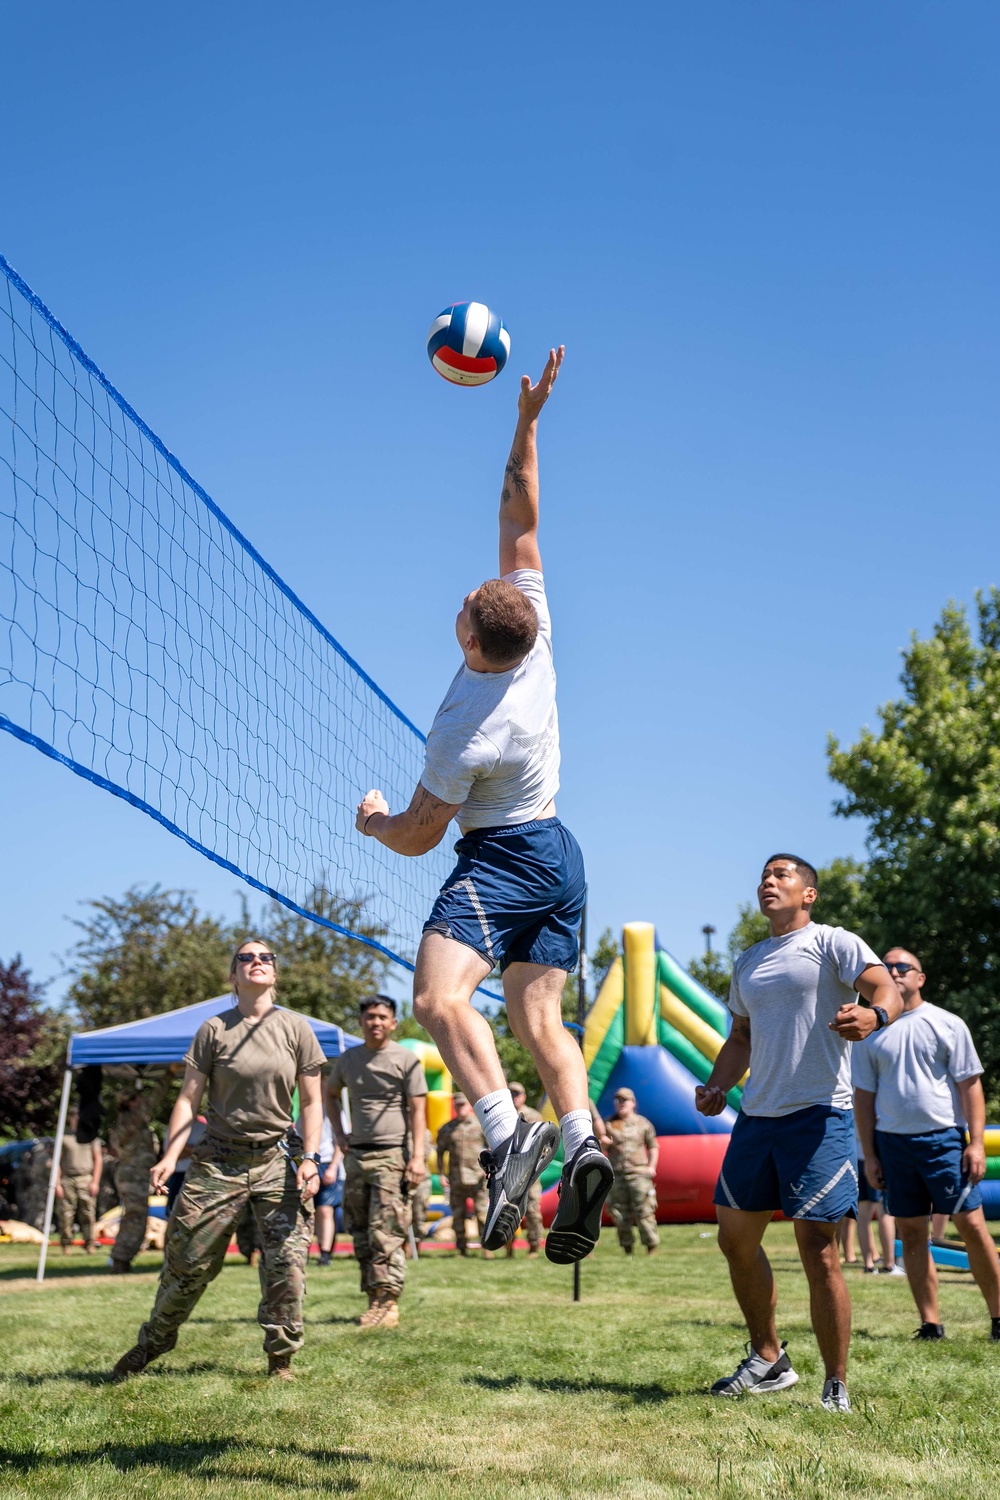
(153, 1041)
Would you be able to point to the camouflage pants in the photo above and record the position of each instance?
(132, 1182)
(377, 1214)
(459, 1195)
(633, 1201)
(247, 1239)
(76, 1203)
(220, 1182)
(533, 1216)
(420, 1196)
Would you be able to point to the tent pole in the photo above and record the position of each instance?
(56, 1153)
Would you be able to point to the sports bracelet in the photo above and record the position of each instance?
(367, 821)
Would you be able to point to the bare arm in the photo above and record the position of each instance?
(179, 1128)
(416, 831)
(730, 1066)
(974, 1105)
(416, 1167)
(864, 1118)
(95, 1181)
(311, 1120)
(519, 496)
(855, 1022)
(334, 1116)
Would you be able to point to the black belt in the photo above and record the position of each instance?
(377, 1146)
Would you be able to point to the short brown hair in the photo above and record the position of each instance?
(504, 621)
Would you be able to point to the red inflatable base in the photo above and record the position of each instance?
(686, 1174)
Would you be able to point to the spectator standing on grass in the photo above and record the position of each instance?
(871, 1206)
(78, 1181)
(460, 1144)
(383, 1154)
(135, 1148)
(793, 1000)
(634, 1153)
(176, 1179)
(250, 1058)
(331, 1192)
(533, 1213)
(918, 1089)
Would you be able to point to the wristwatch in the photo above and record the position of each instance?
(315, 1156)
(881, 1018)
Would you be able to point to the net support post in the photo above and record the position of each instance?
(56, 1153)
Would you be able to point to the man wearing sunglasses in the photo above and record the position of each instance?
(917, 1089)
(797, 999)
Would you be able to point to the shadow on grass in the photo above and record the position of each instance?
(218, 1458)
(641, 1395)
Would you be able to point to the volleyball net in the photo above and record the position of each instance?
(146, 645)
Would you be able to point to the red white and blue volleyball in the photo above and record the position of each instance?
(468, 344)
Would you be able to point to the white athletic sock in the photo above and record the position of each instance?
(497, 1116)
(575, 1127)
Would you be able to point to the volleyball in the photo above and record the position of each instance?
(468, 344)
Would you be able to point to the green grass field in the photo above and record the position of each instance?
(494, 1385)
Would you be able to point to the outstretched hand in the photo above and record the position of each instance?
(373, 803)
(533, 397)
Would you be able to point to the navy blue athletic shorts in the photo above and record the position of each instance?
(516, 895)
(329, 1194)
(923, 1173)
(802, 1163)
(866, 1193)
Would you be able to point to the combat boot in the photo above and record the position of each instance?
(388, 1312)
(280, 1366)
(368, 1317)
(134, 1362)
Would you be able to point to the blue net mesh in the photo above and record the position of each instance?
(147, 645)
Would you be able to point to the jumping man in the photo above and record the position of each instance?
(516, 895)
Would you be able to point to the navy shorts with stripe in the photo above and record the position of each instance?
(516, 895)
(923, 1173)
(802, 1163)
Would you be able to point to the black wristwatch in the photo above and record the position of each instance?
(881, 1018)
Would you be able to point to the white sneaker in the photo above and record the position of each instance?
(895, 1271)
(835, 1397)
(757, 1375)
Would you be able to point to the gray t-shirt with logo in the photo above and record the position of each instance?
(493, 748)
(913, 1067)
(791, 988)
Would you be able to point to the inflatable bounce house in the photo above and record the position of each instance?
(654, 1029)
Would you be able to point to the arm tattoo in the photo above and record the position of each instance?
(741, 1028)
(513, 472)
(425, 807)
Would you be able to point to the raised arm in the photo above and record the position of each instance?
(420, 828)
(519, 496)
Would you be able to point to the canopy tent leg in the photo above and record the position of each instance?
(56, 1153)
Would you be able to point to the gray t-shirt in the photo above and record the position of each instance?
(791, 988)
(912, 1068)
(494, 744)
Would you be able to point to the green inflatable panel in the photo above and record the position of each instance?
(685, 1052)
(608, 1054)
(704, 1005)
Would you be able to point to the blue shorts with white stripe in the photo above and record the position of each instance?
(802, 1163)
(924, 1173)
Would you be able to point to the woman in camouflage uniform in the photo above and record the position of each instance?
(250, 1058)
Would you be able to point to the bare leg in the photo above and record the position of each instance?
(829, 1302)
(920, 1270)
(740, 1236)
(324, 1229)
(865, 1211)
(983, 1261)
(845, 1234)
(887, 1236)
(939, 1223)
(445, 980)
(533, 994)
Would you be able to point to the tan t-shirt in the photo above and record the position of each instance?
(76, 1160)
(379, 1083)
(252, 1069)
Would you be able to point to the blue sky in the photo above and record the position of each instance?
(768, 236)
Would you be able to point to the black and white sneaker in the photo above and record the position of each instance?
(930, 1332)
(757, 1375)
(835, 1397)
(585, 1183)
(510, 1172)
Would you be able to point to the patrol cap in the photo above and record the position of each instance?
(624, 1094)
(517, 1088)
(459, 1099)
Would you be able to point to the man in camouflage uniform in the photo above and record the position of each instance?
(633, 1151)
(136, 1149)
(78, 1182)
(533, 1216)
(383, 1155)
(459, 1143)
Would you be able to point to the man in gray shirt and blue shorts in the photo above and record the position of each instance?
(516, 895)
(917, 1089)
(795, 1014)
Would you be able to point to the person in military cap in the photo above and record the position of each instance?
(633, 1149)
(78, 1181)
(460, 1143)
(532, 1220)
(136, 1149)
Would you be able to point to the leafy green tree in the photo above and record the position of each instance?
(927, 782)
(32, 1055)
(148, 952)
(321, 972)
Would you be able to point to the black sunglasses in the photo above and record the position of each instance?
(248, 958)
(900, 968)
